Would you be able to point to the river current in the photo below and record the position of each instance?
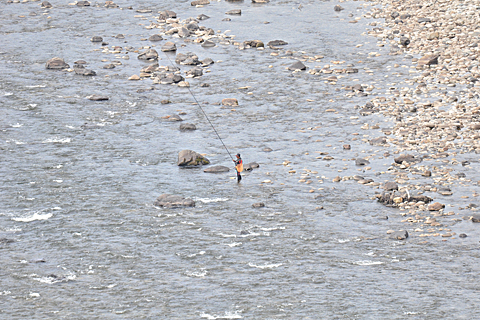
(80, 237)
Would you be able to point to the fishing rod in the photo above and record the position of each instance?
(200, 106)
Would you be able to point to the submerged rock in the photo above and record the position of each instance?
(187, 127)
(250, 166)
(258, 205)
(399, 235)
(191, 158)
(173, 201)
(217, 169)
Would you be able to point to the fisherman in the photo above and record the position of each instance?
(238, 167)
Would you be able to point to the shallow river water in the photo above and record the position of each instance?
(81, 239)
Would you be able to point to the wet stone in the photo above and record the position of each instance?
(173, 201)
(155, 37)
(297, 66)
(96, 97)
(217, 169)
(175, 117)
(109, 66)
(275, 43)
(96, 39)
(380, 141)
(436, 206)
(56, 64)
(169, 46)
(203, 17)
(399, 235)
(46, 4)
(230, 102)
(85, 72)
(149, 55)
(250, 166)
(83, 4)
(361, 162)
(208, 44)
(187, 127)
(462, 235)
(191, 158)
(390, 185)
(234, 12)
(258, 205)
(338, 8)
(476, 218)
(200, 2)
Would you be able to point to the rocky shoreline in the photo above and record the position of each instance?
(436, 111)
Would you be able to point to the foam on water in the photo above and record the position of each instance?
(266, 266)
(207, 200)
(57, 140)
(35, 216)
(228, 315)
(50, 279)
(367, 262)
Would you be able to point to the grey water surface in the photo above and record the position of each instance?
(80, 237)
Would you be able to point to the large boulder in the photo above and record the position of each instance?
(217, 169)
(56, 64)
(173, 201)
(191, 158)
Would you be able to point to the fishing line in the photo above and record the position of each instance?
(198, 103)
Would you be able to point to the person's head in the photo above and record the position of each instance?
(238, 155)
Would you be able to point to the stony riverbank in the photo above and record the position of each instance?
(436, 110)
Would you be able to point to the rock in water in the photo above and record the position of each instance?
(361, 162)
(96, 97)
(390, 185)
(155, 37)
(191, 158)
(56, 64)
(173, 201)
(169, 46)
(277, 43)
(217, 169)
(436, 206)
(85, 72)
(232, 102)
(187, 127)
(234, 12)
(258, 205)
(83, 4)
(150, 54)
(200, 2)
(297, 66)
(250, 166)
(96, 39)
(399, 235)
